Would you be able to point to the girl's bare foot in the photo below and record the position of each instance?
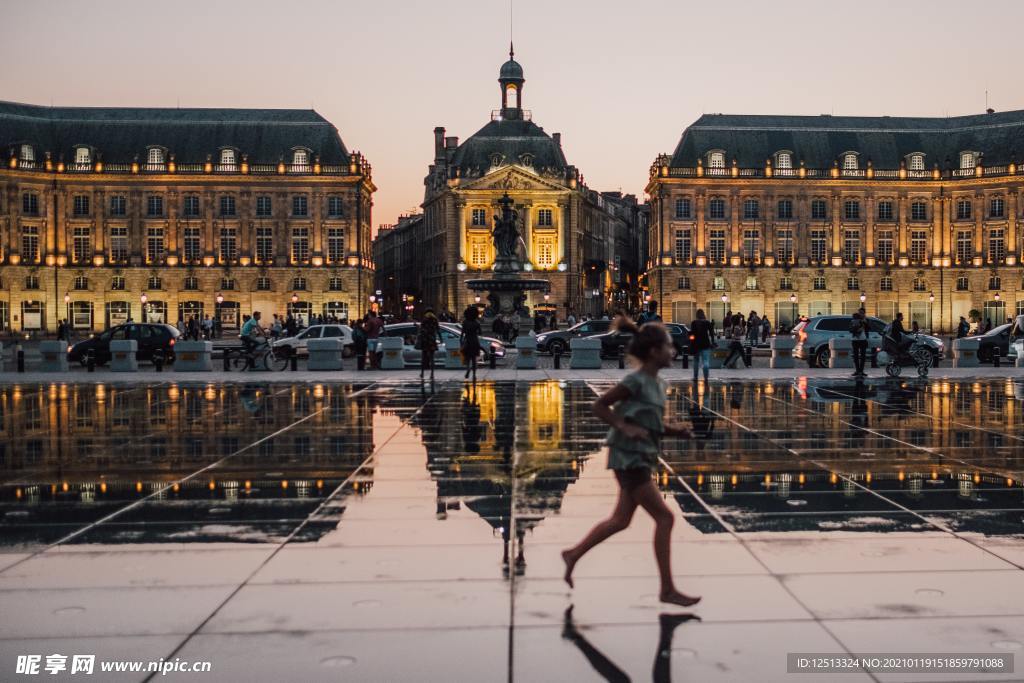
(676, 598)
(570, 562)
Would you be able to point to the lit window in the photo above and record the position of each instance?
(716, 246)
(28, 153)
(228, 245)
(962, 284)
(819, 238)
(545, 218)
(918, 211)
(479, 218)
(884, 251)
(966, 160)
(264, 244)
(851, 246)
(82, 155)
(885, 284)
(718, 283)
(716, 160)
(300, 158)
(684, 246)
(545, 252)
(784, 161)
(964, 246)
(784, 245)
(996, 208)
(963, 209)
(852, 284)
(682, 207)
(299, 283)
(785, 209)
(155, 156)
(155, 245)
(849, 162)
(996, 245)
(851, 210)
(335, 245)
(227, 157)
(119, 244)
(818, 283)
(82, 245)
(300, 245)
(918, 246)
(916, 162)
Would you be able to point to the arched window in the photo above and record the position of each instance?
(227, 157)
(28, 153)
(962, 284)
(850, 162)
(511, 96)
(300, 157)
(916, 162)
(155, 156)
(82, 155)
(966, 159)
(784, 161)
(716, 160)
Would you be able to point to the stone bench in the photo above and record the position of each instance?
(782, 351)
(325, 354)
(840, 352)
(193, 356)
(55, 356)
(965, 353)
(123, 355)
(391, 356)
(586, 354)
(526, 345)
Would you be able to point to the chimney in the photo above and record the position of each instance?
(451, 142)
(557, 137)
(439, 144)
(990, 110)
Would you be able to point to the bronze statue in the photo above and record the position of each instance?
(506, 230)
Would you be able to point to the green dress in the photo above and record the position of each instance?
(645, 407)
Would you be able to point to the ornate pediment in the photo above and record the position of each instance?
(512, 179)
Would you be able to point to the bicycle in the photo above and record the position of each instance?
(271, 358)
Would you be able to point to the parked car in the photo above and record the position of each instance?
(813, 335)
(996, 338)
(613, 339)
(557, 341)
(151, 338)
(299, 343)
(411, 355)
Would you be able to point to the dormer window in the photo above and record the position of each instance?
(227, 157)
(784, 161)
(27, 153)
(155, 156)
(716, 160)
(496, 159)
(300, 157)
(966, 159)
(526, 159)
(850, 161)
(82, 155)
(916, 162)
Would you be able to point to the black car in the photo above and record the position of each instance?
(613, 339)
(151, 338)
(996, 338)
(557, 341)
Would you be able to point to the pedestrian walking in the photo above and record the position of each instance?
(651, 314)
(359, 344)
(426, 341)
(469, 340)
(570, 319)
(859, 334)
(962, 328)
(207, 328)
(702, 334)
(766, 329)
(635, 410)
(737, 333)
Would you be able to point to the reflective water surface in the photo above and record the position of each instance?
(323, 526)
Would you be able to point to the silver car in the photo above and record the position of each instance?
(299, 342)
(812, 337)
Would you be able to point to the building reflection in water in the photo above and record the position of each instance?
(508, 451)
(812, 456)
(72, 454)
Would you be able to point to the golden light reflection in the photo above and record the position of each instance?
(138, 487)
(212, 485)
(700, 480)
(176, 487)
(802, 479)
(901, 476)
(544, 403)
(103, 487)
(64, 487)
(284, 483)
(833, 478)
(734, 480)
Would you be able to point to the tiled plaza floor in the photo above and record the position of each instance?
(377, 530)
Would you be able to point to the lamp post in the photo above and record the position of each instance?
(67, 306)
(931, 306)
(219, 299)
(142, 300)
(863, 298)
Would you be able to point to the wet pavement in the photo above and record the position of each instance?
(377, 530)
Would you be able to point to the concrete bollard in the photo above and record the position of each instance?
(325, 354)
(965, 353)
(1018, 348)
(719, 352)
(840, 352)
(782, 351)
(55, 356)
(391, 353)
(586, 354)
(123, 356)
(526, 345)
(193, 356)
(452, 354)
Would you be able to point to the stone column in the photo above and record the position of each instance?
(282, 238)
(172, 222)
(800, 228)
(1011, 224)
(868, 248)
(901, 223)
(702, 230)
(316, 209)
(99, 224)
(136, 230)
(734, 244)
(977, 206)
(837, 238)
(209, 242)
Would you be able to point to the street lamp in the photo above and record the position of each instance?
(863, 297)
(476, 298)
(143, 298)
(725, 298)
(931, 306)
(547, 297)
(792, 298)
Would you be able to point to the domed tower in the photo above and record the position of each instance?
(511, 80)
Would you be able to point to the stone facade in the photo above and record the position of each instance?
(580, 240)
(786, 215)
(99, 242)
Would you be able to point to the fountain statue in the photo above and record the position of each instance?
(506, 290)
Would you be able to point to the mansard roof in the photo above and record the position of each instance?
(820, 140)
(510, 139)
(120, 134)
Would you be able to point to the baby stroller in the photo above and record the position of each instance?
(910, 350)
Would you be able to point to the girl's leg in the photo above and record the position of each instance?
(647, 496)
(619, 520)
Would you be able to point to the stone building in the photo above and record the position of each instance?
(397, 264)
(155, 214)
(578, 239)
(815, 214)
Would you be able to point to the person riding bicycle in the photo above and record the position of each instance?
(251, 331)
